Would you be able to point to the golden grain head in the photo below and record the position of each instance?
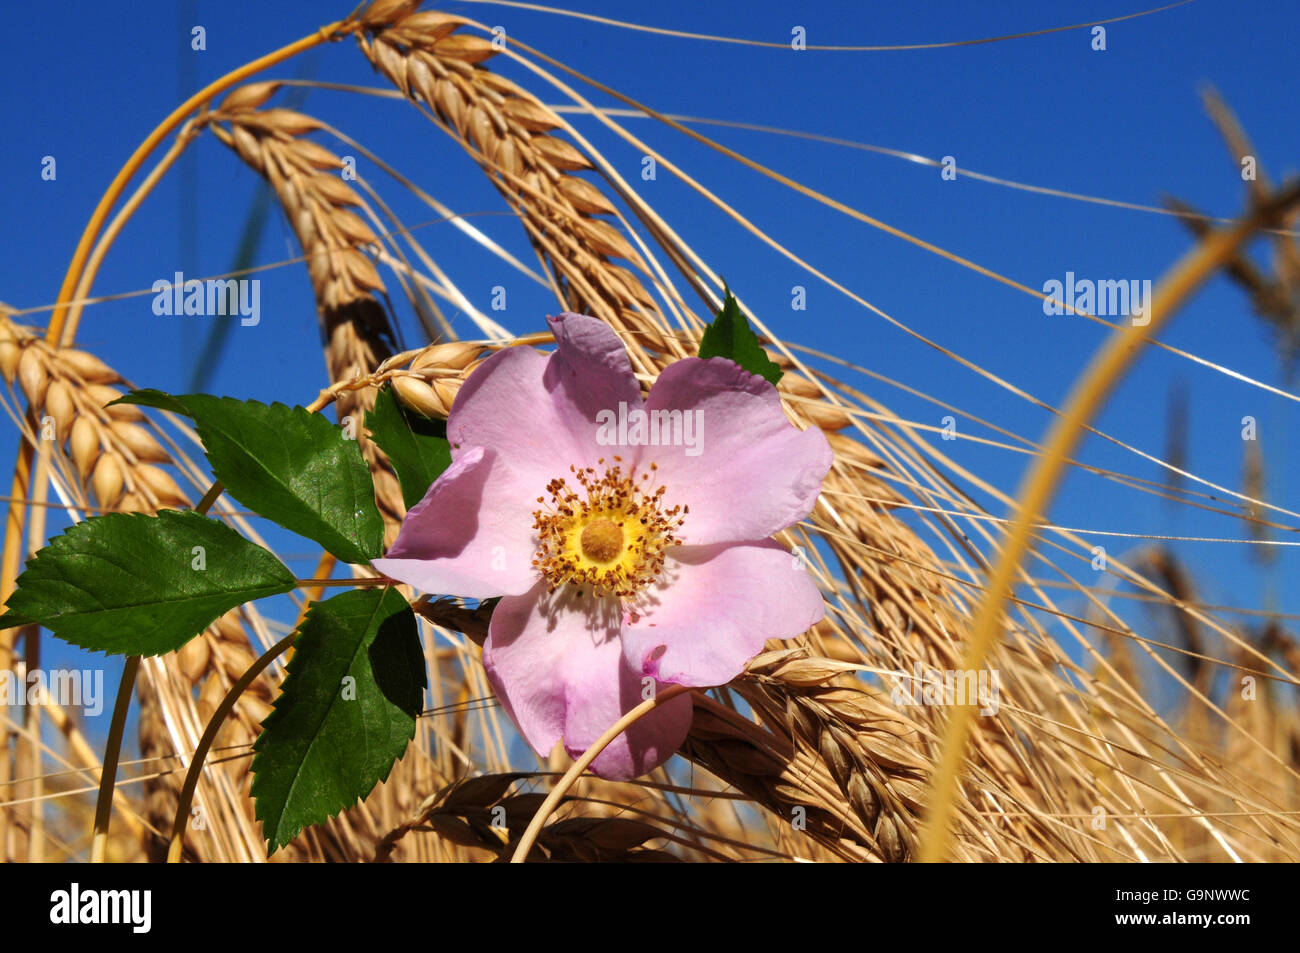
(107, 480)
(10, 354)
(33, 376)
(809, 733)
(420, 397)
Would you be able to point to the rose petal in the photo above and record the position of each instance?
(504, 406)
(538, 411)
(557, 667)
(753, 473)
(714, 609)
(589, 371)
(470, 536)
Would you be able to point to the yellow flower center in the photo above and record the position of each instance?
(602, 541)
(610, 533)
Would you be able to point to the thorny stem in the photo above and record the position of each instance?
(571, 776)
(1039, 484)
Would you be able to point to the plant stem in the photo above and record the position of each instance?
(104, 805)
(112, 751)
(137, 159)
(91, 269)
(562, 788)
(209, 736)
(54, 335)
(14, 525)
(1107, 367)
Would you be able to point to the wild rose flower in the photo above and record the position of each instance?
(618, 565)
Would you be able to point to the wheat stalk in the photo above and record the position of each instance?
(1071, 739)
(110, 451)
(114, 453)
(508, 132)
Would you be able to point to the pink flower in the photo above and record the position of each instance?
(622, 568)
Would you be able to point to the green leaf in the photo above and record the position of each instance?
(730, 336)
(416, 445)
(149, 397)
(329, 740)
(131, 584)
(287, 464)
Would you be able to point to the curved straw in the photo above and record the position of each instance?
(740, 41)
(1119, 351)
(113, 747)
(54, 335)
(186, 798)
(571, 776)
(210, 735)
(118, 185)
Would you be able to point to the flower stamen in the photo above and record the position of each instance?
(610, 533)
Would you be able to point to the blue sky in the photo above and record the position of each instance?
(1125, 123)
